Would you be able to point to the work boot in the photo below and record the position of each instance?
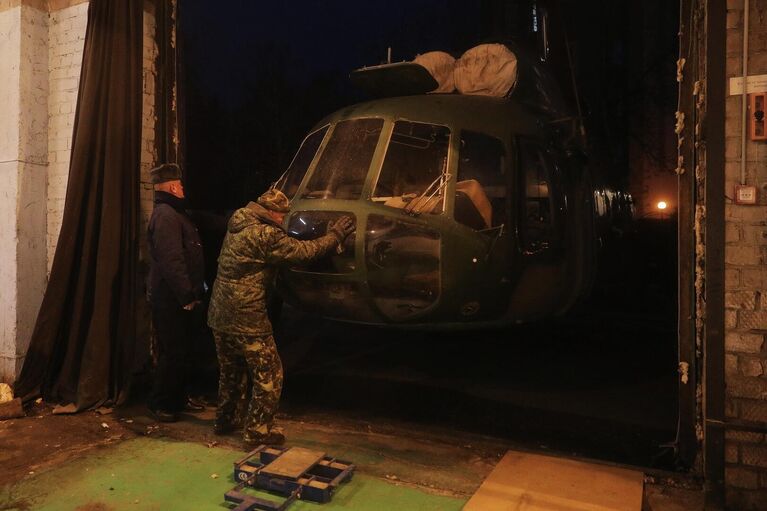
(192, 405)
(222, 427)
(163, 415)
(271, 438)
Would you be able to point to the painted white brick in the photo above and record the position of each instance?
(148, 152)
(66, 42)
(10, 48)
(23, 151)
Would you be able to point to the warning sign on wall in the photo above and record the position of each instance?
(756, 83)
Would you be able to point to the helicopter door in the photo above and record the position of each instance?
(542, 279)
(403, 257)
(482, 203)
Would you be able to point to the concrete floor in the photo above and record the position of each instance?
(598, 383)
(124, 460)
(150, 474)
(424, 416)
(127, 461)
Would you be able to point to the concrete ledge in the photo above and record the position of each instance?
(42, 5)
(57, 5)
(10, 367)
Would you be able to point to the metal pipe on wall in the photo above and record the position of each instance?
(744, 101)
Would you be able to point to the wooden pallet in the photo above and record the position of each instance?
(293, 472)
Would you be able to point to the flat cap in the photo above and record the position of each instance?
(165, 172)
(275, 200)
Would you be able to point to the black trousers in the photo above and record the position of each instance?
(176, 332)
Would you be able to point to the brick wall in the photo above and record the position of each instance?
(33, 155)
(148, 150)
(146, 195)
(745, 278)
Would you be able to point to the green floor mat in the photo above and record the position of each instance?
(147, 474)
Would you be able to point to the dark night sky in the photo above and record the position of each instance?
(258, 75)
(317, 36)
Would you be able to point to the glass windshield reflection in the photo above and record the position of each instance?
(415, 163)
(291, 180)
(403, 266)
(310, 225)
(344, 163)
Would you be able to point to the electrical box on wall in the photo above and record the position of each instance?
(745, 194)
(756, 122)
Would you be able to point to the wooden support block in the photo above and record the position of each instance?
(543, 483)
(293, 463)
(11, 409)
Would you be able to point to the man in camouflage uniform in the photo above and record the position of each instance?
(254, 246)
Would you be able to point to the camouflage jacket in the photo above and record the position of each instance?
(253, 249)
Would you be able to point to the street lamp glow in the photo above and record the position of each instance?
(662, 205)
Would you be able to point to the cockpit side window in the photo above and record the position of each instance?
(481, 188)
(344, 163)
(291, 180)
(414, 165)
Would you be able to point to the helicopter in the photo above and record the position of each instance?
(473, 200)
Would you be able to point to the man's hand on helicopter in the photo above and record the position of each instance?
(342, 228)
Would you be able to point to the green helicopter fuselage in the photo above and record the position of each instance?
(469, 210)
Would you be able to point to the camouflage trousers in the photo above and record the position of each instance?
(240, 357)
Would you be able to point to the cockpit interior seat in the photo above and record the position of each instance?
(473, 190)
(433, 205)
(349, 190)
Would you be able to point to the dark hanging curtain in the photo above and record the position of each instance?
(81, 349)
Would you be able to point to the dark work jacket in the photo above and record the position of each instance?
(177, 267)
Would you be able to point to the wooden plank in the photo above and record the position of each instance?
(531, 482)
(12, 409)
(313, 483)
(293, 463)
(713, 334)
(337, 465)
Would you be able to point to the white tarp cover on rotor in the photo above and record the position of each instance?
(440, 65)
(487, 69)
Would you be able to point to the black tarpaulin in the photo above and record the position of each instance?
(82, 345)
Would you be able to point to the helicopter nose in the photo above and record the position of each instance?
(310, 225)
(399, 279)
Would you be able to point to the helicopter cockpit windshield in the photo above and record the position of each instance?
(393, 177)
(413, 172)
(343, 166)
(291, 179)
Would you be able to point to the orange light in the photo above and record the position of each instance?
(662, 205)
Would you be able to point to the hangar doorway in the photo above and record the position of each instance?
(599, 383)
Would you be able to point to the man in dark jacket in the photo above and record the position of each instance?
(175, 291)
(254, 247)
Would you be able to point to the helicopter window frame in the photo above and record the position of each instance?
(489, 178)
(537, 234)
(374, 142)
(439, 184)
(282, 182)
